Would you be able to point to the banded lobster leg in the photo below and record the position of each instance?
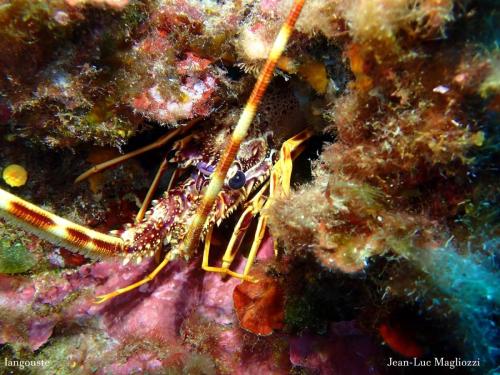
(58, 230)
(279, 186)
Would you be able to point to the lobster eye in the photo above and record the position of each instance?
(237, 181)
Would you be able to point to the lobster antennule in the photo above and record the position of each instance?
(57, 230)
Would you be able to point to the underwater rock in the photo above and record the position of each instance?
(194, 101)
(160, 306)
(345, 350)
(158, 312)
(39, 332)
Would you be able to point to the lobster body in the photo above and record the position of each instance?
(166, 223)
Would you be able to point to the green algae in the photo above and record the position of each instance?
(491, 85)
(15, 258)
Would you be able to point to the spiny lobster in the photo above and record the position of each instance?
(226, 173)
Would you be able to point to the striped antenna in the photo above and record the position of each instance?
(240, 131)
(57, 230)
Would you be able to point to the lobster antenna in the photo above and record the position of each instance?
(240, 131)
(57, 230)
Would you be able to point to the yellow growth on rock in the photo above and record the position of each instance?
(314, 73)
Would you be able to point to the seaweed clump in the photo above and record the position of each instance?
(404, 132)
(414, 138)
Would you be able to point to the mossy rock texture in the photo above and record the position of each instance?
(15, 258)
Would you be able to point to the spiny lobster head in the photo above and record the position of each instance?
(250, 168)
(280, 117)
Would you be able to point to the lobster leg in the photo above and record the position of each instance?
(206, 267)
(154, 185)
(254, 207)
(282, 171)
(279, 187)
(161, 170)
(151, 191)
(158, 143)
(106, 297)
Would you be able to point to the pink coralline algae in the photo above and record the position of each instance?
(135, 364)
(157, 309)
(184, 319)
(39, 332)
(194, 101)
(162, 313)
(193, 97)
